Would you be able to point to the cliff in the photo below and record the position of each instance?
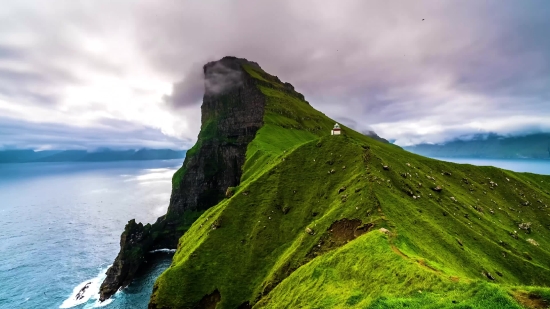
(271, 211)
(232, 113)
(321, 221)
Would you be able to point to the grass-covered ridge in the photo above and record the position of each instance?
(453, 231)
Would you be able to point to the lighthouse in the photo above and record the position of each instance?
(336, 130)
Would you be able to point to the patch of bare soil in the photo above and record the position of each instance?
(209, 301)
(338, 234)
(531, 300)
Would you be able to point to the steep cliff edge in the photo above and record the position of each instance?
(232, 113)
(321, 221)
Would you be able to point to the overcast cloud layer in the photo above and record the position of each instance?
(84, 74)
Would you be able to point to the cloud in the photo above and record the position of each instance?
(213, 79)
(219, 78)
(377, 63)
(111, 133)
(414, 72)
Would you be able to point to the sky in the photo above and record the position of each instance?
(128, 74)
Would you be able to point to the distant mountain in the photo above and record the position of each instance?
(105, 155)
(533, 146)
(25, 155)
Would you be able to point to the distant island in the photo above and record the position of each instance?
(492, 146)
(103, 155)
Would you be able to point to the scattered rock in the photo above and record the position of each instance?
(342, 189)
(229, 192)
(532, 242)
(437, 189)
(245, 193)
(526, 226)
(385, 167)
(310, 231)
(385, 231)
(447, 173)
(488, 275)
(453, 199)
(216, 224)
(459, 242)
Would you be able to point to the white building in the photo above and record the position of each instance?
(336, 130)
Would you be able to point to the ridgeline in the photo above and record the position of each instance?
(271, 211)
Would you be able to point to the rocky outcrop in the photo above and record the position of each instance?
(232, 113)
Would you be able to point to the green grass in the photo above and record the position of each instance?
(260, 252)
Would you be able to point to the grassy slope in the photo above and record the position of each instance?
(287, 187)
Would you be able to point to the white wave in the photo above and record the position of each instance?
(163, 250)
(85, 291)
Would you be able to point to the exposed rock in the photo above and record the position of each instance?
(488, 275)
(342, 189)
(216, 224)
(231, 115)
(437, 189)
(526, 226)
(310, 231)
(385, 167)
(229, 192)
(209, 301)
(532, 242)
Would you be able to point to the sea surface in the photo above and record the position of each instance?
(518, 165)
(60, 226)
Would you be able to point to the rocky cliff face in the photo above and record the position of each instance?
(232, 113)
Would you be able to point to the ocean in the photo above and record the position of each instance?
(60, 226)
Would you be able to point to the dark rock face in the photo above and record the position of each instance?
(232, 113)
(118, 274)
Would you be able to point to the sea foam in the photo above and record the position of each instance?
(85, 291)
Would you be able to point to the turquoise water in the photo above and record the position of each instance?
(60, 225)
(529, 166)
